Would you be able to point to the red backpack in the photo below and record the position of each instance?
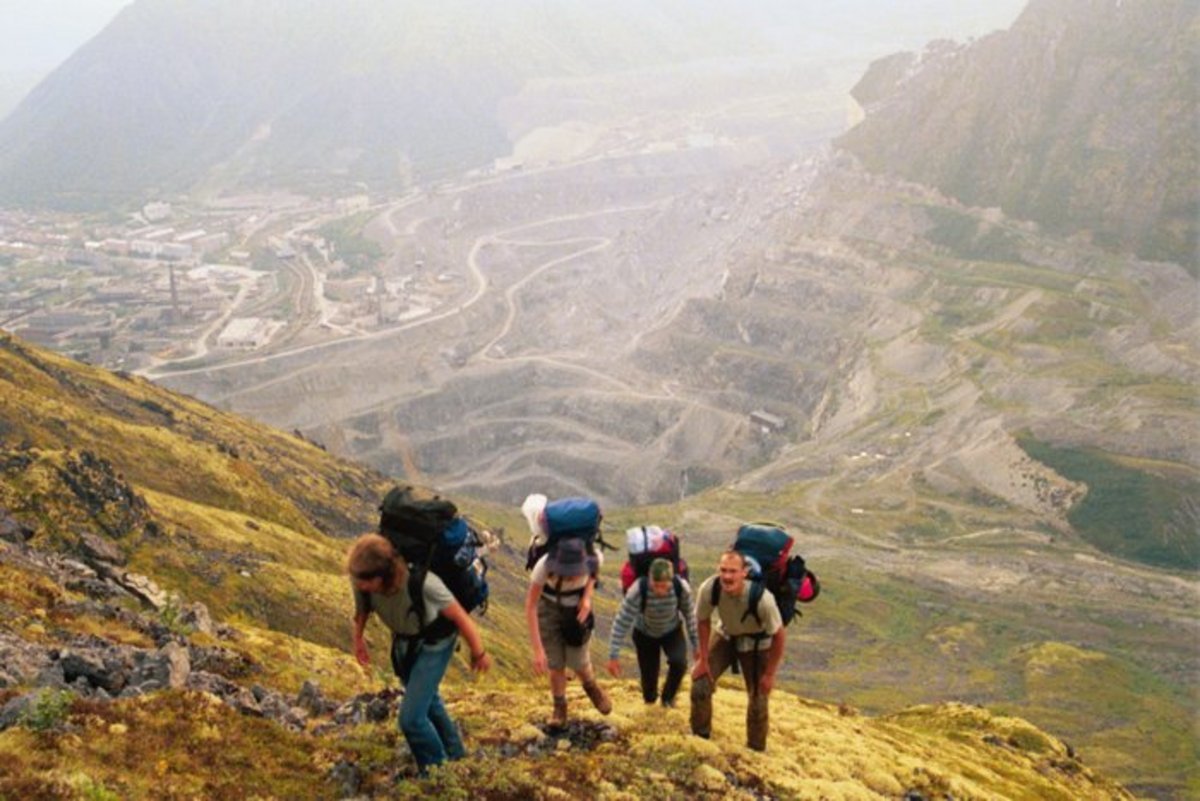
(644, 545)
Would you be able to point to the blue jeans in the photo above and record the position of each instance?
(431, 734)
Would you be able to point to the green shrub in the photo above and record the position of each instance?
(171, 616)
(49, 711)
(1142, 514)
(91, 790)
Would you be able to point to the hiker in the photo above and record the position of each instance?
(380, 582)
(753, 637)
(658, 606)
(558, 609)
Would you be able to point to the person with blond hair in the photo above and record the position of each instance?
(380, 581)
(658, 607)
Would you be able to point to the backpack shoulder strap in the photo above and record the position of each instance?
(715, 594)
(416, 594)
(678, 584)
(756, 594)
(365, 598)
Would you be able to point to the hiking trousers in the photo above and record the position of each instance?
(674, 646)
(721, 654)
(430, 733)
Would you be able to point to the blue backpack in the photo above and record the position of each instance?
(566, 518)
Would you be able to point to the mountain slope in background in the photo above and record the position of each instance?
(268, 92)
(180, 95)
(173, 623)
(1080, 117)
(892, 321)
(14, 86)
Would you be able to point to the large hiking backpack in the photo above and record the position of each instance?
(767, 548)
(431, 536)
(562, 519)
(644, 544)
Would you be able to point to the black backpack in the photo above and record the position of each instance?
(428, 532)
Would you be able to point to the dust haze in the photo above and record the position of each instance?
(485, 329)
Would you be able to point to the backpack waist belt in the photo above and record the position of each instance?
(548, 589)
(411, 645)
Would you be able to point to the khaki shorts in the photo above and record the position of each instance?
(559, 655)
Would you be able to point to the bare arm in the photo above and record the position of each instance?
(704, 632)
(585, 600)
(535, 634)
(360, 644)
(774, 657)
(480, 661)
(688, 611)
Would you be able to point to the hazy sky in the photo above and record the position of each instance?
(38, 35)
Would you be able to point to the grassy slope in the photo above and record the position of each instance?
(1128, 498)
(131, 750)
(884, 634)
(230, 504)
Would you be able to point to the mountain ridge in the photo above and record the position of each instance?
(176, 95)
(1080, 116)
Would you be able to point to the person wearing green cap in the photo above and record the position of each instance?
(659, 609)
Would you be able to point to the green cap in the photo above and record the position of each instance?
(661, 570)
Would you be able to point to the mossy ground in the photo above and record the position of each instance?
(134, 749)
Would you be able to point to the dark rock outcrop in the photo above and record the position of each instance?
(13, 530)
(107, 497)
(21, 662)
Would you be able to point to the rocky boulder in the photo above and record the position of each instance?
(166, 668)
(13, 530)
(21, 662)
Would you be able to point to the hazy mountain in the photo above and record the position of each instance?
(177, 95)
(14, 86)
(270, 91)
(889, 330)
(1081, 117)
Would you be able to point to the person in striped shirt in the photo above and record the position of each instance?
(658, 606)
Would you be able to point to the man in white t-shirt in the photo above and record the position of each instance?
(754, 637)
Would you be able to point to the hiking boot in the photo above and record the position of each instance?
(599, 698)
(559, 717)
